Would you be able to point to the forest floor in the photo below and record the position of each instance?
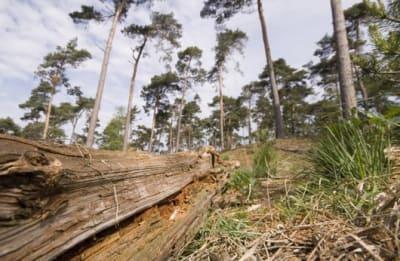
(271, 223)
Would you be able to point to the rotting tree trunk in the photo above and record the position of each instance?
(161, 232)
(279, 131)
(128, 119)
(54, 197)
(221, 107)
(102, 80)
(48, 115)
(347, 90)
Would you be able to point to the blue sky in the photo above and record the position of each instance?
(32, 28)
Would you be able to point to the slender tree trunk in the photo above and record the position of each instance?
(128, 120)
(345, 71)
(249, 121)
(159, 138)
(48, 114)
(102, 80)
(293, 121)
(181, 106)
(153, 126)
(221, 106)
(190, 138)
(171, 134)
(339, 96)
(229, 134)
(279, 131)
(74, 123)
(360, 81)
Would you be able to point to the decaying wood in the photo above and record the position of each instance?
(160, 232)
(54, 197)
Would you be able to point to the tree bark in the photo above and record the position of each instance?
(249, 121)
(74, 123)
(360, 81)
(55, 197)
(153, 126)
(181, 106)
(221, 107)
(48, 114)
(128, 119)
(171, 134)
(345, 71)
(279, 131)
(102, 80)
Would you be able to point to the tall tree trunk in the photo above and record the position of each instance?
(360, 81)
(153, 126)
(102, 80)
(159, 139)
(221, 106)
(339, 96)
(279, 131)
(363, 89)
(190, 138)
(345, 73)
(74, 123)
(229, 134)
(128, 120)
(293, 124)
(171, 134)
(48, 114)
(181, 106)
(249, 121)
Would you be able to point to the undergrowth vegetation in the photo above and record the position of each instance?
(349, 169)
(233, 228)
(265, 161)
(246, 180)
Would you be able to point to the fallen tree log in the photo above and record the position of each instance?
(159, 233)
(54, 197)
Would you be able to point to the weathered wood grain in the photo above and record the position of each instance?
(54, 197)
(161, 232)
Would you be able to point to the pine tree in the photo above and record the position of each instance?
(294, 91)
(357, 16)
(228, 42)
(156, 98)
(235, 112)
(249, 93)
(52, 74)
(89, 13)
(142, 137)
(190, 120)
(324, 75)
(223, 10)
(347, 91)
(8, 126)
(190, 73)
(165, 31)
(112, 137)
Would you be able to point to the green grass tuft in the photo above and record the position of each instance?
(350, 169)
(265, 161)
